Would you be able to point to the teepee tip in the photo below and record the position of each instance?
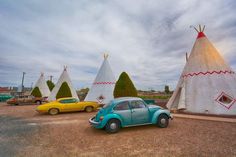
(200, 30)
(105, 55)
(65, 67)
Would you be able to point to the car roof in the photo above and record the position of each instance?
(126, 99)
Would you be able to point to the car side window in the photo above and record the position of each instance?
(122, 106)
(137, 104)
(74, 100)
(66, 101)
(62, 101)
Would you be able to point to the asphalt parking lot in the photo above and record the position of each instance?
(25, 133)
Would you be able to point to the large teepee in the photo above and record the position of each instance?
(207, 83)
(64, 78)
(103, 86)
(42, 86)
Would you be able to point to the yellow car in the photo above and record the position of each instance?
(67, 105)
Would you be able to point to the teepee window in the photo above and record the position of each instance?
(225, 100)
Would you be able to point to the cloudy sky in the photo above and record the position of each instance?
(146, 38)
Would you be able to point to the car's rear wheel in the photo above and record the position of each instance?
(38, 102)
(89, 109)
(53, 111)
(112, 126)
(163, 121)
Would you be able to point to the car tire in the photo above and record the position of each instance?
(112, 126)
(53, 111)
(89, 109)
(38, 102)
(163, 121)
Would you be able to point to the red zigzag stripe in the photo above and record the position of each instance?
(208, 72)
(96, 83)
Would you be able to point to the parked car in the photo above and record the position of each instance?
(5, 97)
(67, 105)
(129, 111)
(26, 99)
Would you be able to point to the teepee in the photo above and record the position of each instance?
(207, 83)
(64, 78)
(103, 86)
(42, 86)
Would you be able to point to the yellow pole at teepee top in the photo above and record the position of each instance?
(65, 67)
(105, 55)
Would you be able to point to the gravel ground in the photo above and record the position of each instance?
(25, 133)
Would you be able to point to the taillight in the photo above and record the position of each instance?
(101, 118)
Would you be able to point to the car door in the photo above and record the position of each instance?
(69, 105)
(140, 112)
(123, 110)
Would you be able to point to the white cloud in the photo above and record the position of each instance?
(147, 39)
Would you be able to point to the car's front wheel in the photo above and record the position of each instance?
(89, 109)
(163, 121)
(53, 111)
(112, 126)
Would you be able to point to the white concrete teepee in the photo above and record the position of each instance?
(207, 83)
(42, 85)
(63, 78)
(103, 86)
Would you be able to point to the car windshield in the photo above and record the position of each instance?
(107, 105)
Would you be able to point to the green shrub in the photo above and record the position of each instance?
(64, 91)
(167, 89)
(50, 84)
(124, 87)
(36, 92)
(163, 97)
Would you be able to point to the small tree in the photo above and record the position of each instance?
(64, 91)
(50, 84)
(36, 92)
(167, 89)
(124, 87)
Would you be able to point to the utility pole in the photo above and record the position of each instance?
(22, 83)
(32, 85)
(51, 77)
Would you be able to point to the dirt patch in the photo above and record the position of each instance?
(71, 135)
(181, 138)
(14, 133)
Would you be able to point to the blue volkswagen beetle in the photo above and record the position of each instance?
(129, 111)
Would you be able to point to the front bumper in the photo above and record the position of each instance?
(40, 111)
